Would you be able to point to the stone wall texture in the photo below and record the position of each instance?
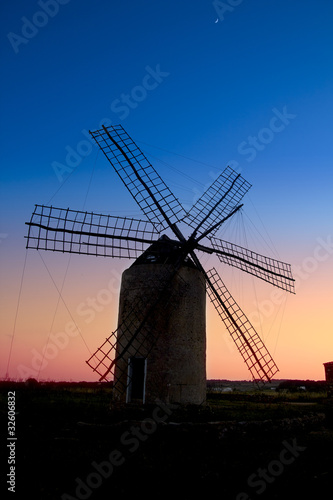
(173, 338)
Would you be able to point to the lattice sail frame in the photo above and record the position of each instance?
(271, 270)
(140, 178)
(248, 342)
(64, 230)
(217, 202)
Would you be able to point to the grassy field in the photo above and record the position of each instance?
(73, 443)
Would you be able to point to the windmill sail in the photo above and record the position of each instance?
(64, 230)
(140, 178)
(249, 344)
(271, 270)
(217, 202)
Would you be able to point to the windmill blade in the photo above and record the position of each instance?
(247, 340)
(140, 178)
(64, 230)
(217, 202)
(271, 270)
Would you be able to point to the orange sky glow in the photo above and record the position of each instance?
(54, 336)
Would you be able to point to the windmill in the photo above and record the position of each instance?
(158, 348)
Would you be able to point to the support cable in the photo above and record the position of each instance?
(54, 315)
(60, 296)
(63, 301)
(16, 314)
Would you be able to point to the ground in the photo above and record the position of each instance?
(73, 443)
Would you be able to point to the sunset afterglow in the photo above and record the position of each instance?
(252, 91)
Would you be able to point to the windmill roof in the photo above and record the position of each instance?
(163, 251)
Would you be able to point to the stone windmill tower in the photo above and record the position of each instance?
(166, 358)
(159, 347)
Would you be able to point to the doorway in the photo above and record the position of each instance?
(136, 379)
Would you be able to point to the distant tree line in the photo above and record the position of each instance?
(299, 385)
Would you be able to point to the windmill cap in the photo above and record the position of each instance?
(163, 251)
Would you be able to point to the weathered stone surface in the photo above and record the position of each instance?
(174, 337)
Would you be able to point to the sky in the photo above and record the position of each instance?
(199, 85)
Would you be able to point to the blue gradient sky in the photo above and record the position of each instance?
(198, 89)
